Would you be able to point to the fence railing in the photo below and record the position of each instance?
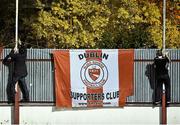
(40, 79)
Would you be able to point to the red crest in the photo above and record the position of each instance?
(94, 73)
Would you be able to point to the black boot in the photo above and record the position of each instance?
(24, 100)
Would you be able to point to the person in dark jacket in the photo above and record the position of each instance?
(19, 73)
(161, 65)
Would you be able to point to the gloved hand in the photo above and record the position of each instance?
(165, 53)
(19, 41)
(16, 50)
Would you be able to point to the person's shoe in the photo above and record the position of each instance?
(24, 100)
(167, 104)
(10, 101)
(156, 103)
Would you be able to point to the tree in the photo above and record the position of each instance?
(7, 23)
(71, 23)
(89, 23)
(138, 24)
(172, 22)
(133, 24)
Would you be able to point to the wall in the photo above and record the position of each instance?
(5, 115)
(129, 115)
(41, 88)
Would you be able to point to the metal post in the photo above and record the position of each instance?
(16, 106)
(164, 110)
(164, 24)
(16, 25)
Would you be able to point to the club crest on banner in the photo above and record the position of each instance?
(94, 74)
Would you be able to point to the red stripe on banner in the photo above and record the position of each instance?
(94, 55)
(126, 74)
(62, 78)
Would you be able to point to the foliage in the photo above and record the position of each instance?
(172, 36)
(89, 23)
(134, 25)
(6, 22)
(172, 22)
(71, 23)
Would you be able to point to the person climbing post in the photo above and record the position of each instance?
(161, 65)
(18, 57)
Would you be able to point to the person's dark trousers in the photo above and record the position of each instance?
(22, 85)
(10, 92)
(158, 90)
(24, 89)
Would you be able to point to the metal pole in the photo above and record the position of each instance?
(16, 106)
(16, 25)
(164, 24)
(164, 110)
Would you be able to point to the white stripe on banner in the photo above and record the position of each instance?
(78, 89)
(111, 87)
